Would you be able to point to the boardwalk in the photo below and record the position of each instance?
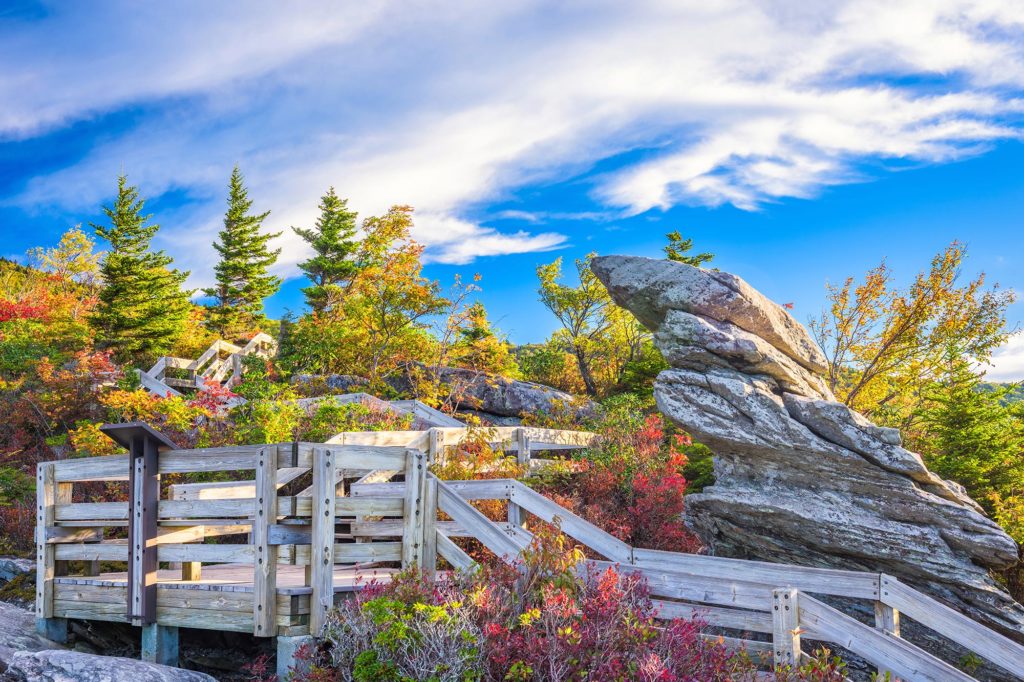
(306, 523)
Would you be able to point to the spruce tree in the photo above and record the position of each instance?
(142, 307)
(241, 274)
(677, 251)
(332, 239)
(971, 436)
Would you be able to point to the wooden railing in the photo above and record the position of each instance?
(352, 513)
(746, 596)
(222, 362)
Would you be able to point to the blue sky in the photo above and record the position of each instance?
(800, 144)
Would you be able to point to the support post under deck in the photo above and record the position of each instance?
(53, 629)
(160, 644)
(287, 650)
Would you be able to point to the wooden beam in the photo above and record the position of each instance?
(412, 538)
(786, 628)
(265, 575)
(46, 558)
(322, 541)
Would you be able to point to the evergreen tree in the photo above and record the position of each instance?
(971, 437)
(142, 307)
(242, 278)
(333, 244)
(677, 248)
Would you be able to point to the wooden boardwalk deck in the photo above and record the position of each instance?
(313, 522)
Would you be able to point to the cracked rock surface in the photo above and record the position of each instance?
(799, 477)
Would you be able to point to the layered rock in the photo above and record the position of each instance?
(72, 666)
(799, 477)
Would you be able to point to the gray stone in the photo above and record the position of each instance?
(799, 477)
(505, 397)
(18, 633)
(72, 666)
(12, 567)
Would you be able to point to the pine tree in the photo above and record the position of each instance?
(242, 278)
(677, 248)
(971, 437)
(142, 306)
(333, 244)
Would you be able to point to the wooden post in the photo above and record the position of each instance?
(429, 558)
(412, 537)
(191, 571)
(160, 644)
(46, 497)
(287, 661)
(265, 574)
(143, 445)
(522, 447)
(887, 619)
(434, 448)
(322, 539)
(786, 627)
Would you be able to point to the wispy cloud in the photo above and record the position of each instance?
(448, 106)
(1008, 361)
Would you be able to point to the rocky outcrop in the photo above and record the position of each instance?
(72, 666)
(472, 391)
(498, 395)
(12, 567)
(799, 477)
(18, 633)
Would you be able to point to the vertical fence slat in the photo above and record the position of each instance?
(412, 539)
(522, 447)
(429, 559)
(786, 627)
(265, 574)
(45, 554)
(322, 540)
(888, 619)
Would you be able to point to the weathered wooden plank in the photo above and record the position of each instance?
(467, 516)
(858, 584)
(717, 616)
(887, 619)
(224, 490)
(265, 574)
(56, 535)
(322, 555)
(401, 439)
(453, 554)
(983, 641)
(786, 627)
(109, 468)
(223, 554)
(490, 489)
(99, 551)
(355, 553)
(412, 538)
(523, 447)
(356, 506)
(600, 541)
(822, 622)
(395, 529)
(698, 588)
(428, 560)
(46, 558)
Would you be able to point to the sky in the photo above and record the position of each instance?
(801, 143)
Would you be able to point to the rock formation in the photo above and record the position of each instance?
(488, 394)
(72, 666)
(799, 477)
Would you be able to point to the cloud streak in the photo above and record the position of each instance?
(452, 106)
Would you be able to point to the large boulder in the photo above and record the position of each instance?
(498, 395)
(799, 477)
(18, 633)
(72, 666)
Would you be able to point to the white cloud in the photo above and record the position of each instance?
(449, 105)
(1008, 361)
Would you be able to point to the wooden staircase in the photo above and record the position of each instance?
(222, 362)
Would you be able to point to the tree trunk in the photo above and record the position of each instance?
(588, 378)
